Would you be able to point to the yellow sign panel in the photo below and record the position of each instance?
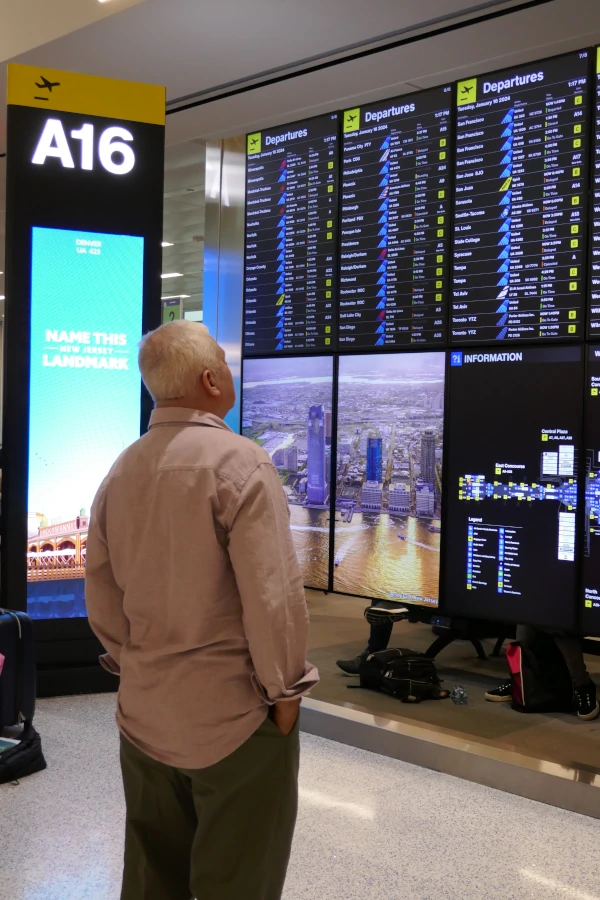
(466, 92)
(351, 120)
(56, 91)
(254, 143)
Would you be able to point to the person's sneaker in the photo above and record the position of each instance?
(351, 666)
(588, 707)
(502, 694)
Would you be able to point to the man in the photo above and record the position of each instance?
(194, 590)
(381, 617)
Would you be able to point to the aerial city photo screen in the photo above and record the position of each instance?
(389, 471)
(287, 409)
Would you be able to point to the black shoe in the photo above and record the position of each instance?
(351, 666)
(502, 694)
(588, 707)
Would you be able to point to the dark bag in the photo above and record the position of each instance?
(406, 674)
(26, 758)
(541, 681)
(18, 678)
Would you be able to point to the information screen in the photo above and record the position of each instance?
(290, 277)
(286, 408)
(519, 228)
(514, 441)
(594, 322)
(85, 394)
(396, 198)
(591, 537)
(389, 476)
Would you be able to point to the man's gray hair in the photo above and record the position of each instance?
(172, 359)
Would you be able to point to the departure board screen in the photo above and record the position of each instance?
(520, 208)
(591, 536)
(513, 445)
(290, 272)
(594, 321)
(395, 211)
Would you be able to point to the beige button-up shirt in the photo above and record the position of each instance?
(194, 590)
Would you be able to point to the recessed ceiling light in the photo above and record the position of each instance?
(2, 297)
(167, 244)
(176, 297)
(172, 275)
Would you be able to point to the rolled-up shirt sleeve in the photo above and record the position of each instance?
(103, 596)
(270, 584)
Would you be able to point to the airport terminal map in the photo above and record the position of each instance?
(514, 452)
(591, 533)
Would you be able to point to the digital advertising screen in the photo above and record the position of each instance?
(395, 221)
(514, 454)
(290, 273)
(594, 316)
(590, 613)
(389, 476)
(520, 214)
(85, 395)
(287, 409)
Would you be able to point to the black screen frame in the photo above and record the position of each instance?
(52, 196)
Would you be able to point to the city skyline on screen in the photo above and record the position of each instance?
(287, 410)
(389, 476)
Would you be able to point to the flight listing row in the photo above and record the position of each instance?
(465, 479)
(468, 213)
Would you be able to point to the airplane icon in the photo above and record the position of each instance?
(467, 90)
(253, 142)
(351, 118)
(47, 85)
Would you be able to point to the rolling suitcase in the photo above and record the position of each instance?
(18, 679)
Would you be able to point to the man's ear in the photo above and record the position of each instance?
(210, 383)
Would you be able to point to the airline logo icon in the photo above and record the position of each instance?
(351, 120)
(254, 143)
(466, 92)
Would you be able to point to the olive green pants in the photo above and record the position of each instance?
(221, 833)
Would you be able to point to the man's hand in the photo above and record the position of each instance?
(285, 715)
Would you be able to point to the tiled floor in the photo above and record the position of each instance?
(369, 827)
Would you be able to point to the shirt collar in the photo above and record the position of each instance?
(179, 415)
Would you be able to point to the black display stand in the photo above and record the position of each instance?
(77, 181)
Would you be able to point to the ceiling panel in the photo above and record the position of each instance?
(518, 38)
(27, 25)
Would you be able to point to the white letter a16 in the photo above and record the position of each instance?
(53, 142)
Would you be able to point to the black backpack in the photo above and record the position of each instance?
(25, 758)
(406, 674)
